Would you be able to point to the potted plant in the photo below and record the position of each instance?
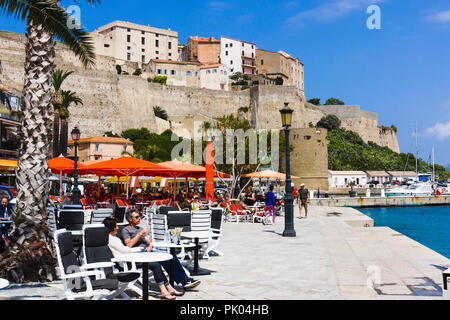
(352, 193)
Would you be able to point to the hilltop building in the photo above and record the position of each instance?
(100, 148)
(214, 77)
(205, 50)
(280, 64)
(238, 56)
(131, 42)
(178, 73)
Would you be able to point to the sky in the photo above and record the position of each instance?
(400, 71)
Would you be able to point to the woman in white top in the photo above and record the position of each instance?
(117, 248)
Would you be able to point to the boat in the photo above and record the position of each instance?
(414, 190)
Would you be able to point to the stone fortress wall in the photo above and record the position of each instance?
(115, 102)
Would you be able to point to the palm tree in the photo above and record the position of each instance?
(31, 256)
(68, 98)
(57, 100)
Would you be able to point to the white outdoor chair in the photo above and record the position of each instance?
(201, 222)
(98, 215)
(76, 279)
(217, 217)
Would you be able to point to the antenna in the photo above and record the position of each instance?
(417, 150)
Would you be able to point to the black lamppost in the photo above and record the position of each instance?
(75, 192)
(286, 119)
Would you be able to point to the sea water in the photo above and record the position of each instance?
(429, 226)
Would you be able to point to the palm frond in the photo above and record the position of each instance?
(18, 9)
(59, 76)
(70, 97)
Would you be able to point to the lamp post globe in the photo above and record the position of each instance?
(289, 231)
(76, 134)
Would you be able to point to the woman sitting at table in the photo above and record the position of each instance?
(117, 248)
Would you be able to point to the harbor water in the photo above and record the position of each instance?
(429, 226)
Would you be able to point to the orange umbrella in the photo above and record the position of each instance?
(62, 165)
(268, 174)
(125, 166)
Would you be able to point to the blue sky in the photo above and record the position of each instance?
(401, 71)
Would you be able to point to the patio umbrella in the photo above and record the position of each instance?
(62, 165)
(126, 166)
(267, 174)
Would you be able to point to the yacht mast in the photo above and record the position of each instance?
(434, 174)
(417, 151)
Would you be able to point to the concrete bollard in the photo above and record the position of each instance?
(368, 193)
(311, 194)
(383, 193)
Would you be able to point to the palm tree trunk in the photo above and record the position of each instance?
(63, 139)
(31, 257)
(56, 150)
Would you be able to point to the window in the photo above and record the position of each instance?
(142, 32)
(128, 29)
(188, 73)
(170, 54)
(125, 148)
(159, 71)
(196, 73)
(165, 71)
(170, 45)
(243, 53)
(97, 147)
(231, 62)
(173, 72)
(215, 71)
(157, 35)
(157, 43)
(106, 45)
(157, 52)
(231, 45)
(242, 44)
(128, 38)
(179, 72)
(143, 50)
(143, 58)
(128, 48)
(208, 71)
(128, 56)
(226, 45)
(262, 62)
(143, 40)
(226, 53)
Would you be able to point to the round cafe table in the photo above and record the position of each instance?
(172, 247)
(196, 235)
(145, 258)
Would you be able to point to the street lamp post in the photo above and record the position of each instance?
(286, 119)
(76, 191)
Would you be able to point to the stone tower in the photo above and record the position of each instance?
(309, 157)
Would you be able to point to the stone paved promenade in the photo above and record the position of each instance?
(332, 257)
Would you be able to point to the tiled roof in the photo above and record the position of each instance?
(347, 173)
(175, 62)
(403, 173)
(209, 66)
(103, 140)
(378, 173)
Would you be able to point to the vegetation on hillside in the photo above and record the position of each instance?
(348, 151)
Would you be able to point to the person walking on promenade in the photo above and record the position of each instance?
(303, 195)
(271, 203)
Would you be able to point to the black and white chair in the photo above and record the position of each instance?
(98, 215)
(166, 210)
(446, 278)
(87, 282)
(216, 232)
(71, 220)
(97, 252)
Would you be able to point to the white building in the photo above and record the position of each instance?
(127, 41)
(178, 73)
(404, 176)
(341, 179)
(238, 56)
(215, 77)
(380, 176)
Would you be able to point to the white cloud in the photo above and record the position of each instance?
(443, 16)
(332, 9)
(440, 130)
(218, 5)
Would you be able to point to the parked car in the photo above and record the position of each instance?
(388, 183)
(373, 183)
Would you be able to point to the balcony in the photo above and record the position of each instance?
(249, 58)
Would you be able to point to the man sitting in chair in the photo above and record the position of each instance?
(135, 236)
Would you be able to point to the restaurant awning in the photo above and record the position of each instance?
(268, 174)
(8, 165)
